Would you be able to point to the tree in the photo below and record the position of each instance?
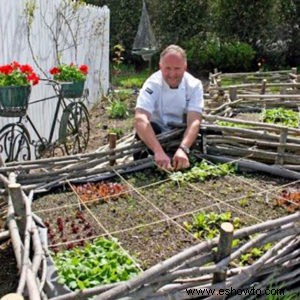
(247, 20)
(177, 21)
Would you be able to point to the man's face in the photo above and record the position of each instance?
(172, 67)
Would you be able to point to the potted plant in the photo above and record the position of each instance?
(15, 87)
(71, 78)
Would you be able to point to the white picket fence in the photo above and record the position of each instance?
(59, 29)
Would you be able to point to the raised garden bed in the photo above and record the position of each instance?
(148, 218)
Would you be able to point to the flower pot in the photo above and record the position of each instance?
(71, 89)
(14, 100)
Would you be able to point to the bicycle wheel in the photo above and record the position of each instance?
(74, 129)
(15, 142)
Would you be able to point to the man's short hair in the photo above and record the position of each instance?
(173, 49)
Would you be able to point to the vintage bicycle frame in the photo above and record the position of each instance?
(17, 139)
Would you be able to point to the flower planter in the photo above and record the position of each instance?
(14, 100)
(72, 89)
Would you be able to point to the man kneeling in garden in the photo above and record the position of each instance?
(166, 96)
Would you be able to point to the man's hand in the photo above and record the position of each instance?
(162, 160)
(180, 160)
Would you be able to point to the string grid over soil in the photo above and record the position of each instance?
(148, 221)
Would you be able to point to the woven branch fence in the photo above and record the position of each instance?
(254, 77)
(254, 92)
(198, 267)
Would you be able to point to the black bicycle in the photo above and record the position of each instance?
(74, 125)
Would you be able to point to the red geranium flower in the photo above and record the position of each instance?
(54, 71)
(69, 72)
(84, 69)
(15, 74)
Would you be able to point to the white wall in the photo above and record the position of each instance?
(82, 39)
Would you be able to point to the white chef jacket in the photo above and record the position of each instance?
(169, 105)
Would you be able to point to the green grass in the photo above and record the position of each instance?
(129, 78)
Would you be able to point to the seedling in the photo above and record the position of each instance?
(206, 225)
(117, 109)
(202, 171)
(106, 191)
(255, 253)
(100, 262)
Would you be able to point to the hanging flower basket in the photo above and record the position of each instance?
(15, 87)
(71, 78)
(14, 100)
(71, 89)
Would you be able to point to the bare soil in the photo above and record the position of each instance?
(148, 222)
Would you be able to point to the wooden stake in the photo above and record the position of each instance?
(263, 86)
(281, 148)
(224, 248)
(15, 192)
(12, 296)
(112, 138)
(232, 94)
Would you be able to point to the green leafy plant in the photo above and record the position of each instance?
(69, 72)
(15, 74)
(231, 124)
(281, 116)
(133, 82)
(202, 171)
(244, 202)
(255, 253)
(213, 52)
(117, 109)
(206, 225)
(118, 58)
(100, 262)
(118, 131)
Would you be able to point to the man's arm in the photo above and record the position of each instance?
(181, 159)
(145, 132)
(192, 130)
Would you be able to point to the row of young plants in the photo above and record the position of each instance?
(278, 116)
(92, 193)
(99, 262)
(75, 227)
(202, 171)
(207, 225)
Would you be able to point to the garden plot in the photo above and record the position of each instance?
(174, 199)
(126, 213)
(154, 243)
(205, 223)
(153, 220)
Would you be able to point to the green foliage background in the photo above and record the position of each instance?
(269, 28)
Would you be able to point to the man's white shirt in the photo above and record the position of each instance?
(169, 105)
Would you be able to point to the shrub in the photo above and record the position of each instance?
(213, 53)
